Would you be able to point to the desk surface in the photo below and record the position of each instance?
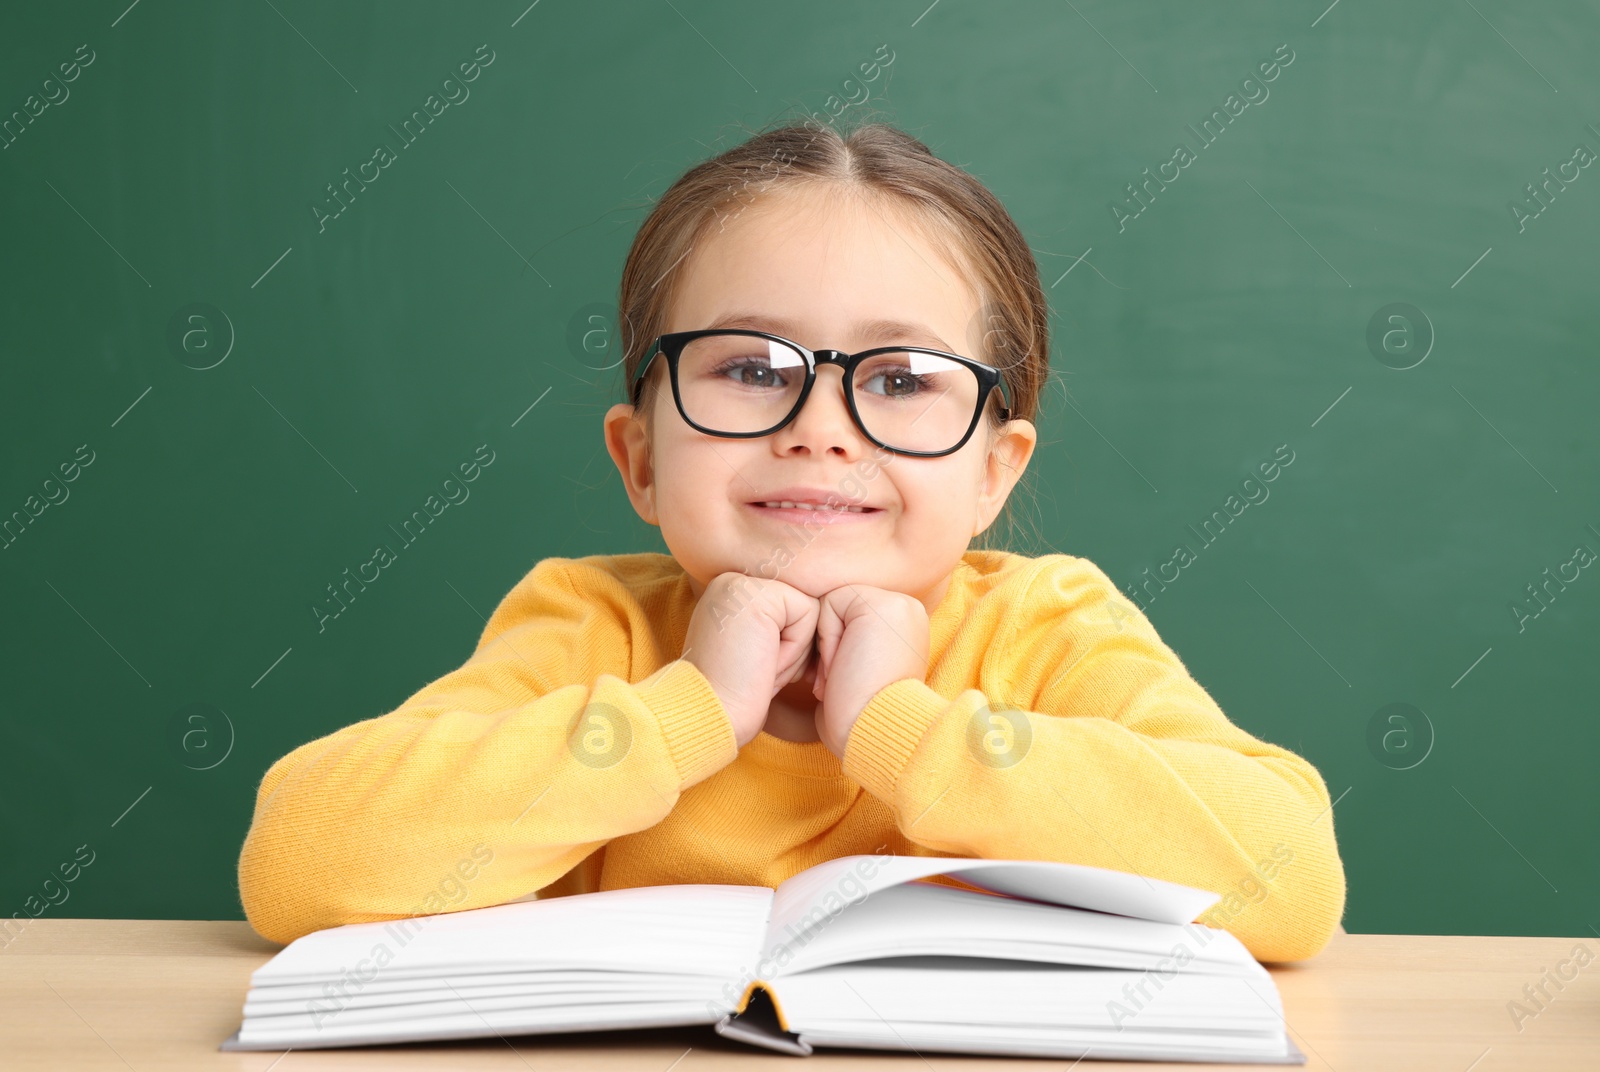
(148, 994)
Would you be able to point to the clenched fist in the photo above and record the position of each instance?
(750, 637)
(867, 638)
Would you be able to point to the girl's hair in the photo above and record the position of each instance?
(956, 210)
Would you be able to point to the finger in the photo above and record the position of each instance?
(797, 625)
(830, 631)
(801, 609)
(789, 676)
(808, 668)
(831, 615)
(825, 658)
(797, 666)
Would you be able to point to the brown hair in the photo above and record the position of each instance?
(957, 211)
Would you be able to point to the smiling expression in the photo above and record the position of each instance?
(827, 269)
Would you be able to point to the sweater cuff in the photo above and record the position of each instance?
(887, 732)
(698, 732)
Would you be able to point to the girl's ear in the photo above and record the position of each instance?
(1003, 466)
(629, 448)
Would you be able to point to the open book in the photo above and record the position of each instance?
(1025, 957)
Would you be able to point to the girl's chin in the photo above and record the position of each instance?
(815, 580)
(818, 583)
(816, 571)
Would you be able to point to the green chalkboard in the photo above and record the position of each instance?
(1352, 247)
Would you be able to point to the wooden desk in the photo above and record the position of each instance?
(156, 994)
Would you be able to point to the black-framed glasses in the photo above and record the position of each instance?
(742, 384)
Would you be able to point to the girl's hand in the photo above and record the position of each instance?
(866, 638)
(750, 637)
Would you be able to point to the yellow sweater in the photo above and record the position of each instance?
(574, 752)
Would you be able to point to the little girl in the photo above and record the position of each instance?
(835, 346)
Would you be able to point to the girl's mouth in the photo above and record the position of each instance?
(812, 513)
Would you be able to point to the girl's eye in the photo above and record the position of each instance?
(752, 372)
(898, 382)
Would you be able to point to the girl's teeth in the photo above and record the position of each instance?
(814, 506)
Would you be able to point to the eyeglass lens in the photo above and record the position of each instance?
(907, 400)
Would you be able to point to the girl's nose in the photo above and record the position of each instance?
(824, 422)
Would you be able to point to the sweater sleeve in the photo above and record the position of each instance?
(489, 783)
(1117, 758)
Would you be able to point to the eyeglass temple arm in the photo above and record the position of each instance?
(638, 375)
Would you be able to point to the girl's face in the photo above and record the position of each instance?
(819, 266)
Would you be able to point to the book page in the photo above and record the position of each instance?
(924, 919)
(701, 929)
(940, 1004)
(824, 890)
